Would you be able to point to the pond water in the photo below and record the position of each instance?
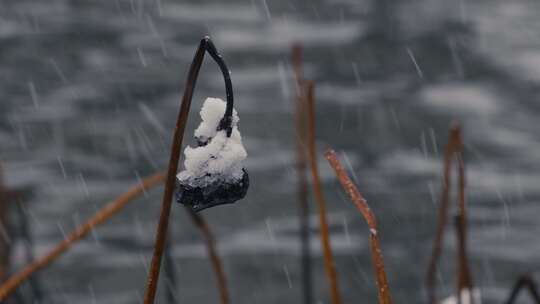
(90, 90)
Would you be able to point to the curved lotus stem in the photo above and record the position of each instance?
(205, 45)
(226, 122)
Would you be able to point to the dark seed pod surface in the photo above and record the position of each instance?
(218, 192)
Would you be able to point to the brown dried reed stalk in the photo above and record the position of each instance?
(199, 221)
(329, 264)
(360, 203)
(302, 182)
(454, 150)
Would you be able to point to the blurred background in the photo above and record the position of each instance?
(89, 93)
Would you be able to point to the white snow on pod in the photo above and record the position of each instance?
(221, 158)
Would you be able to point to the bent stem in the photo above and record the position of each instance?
(454, 149)
(360, 203)
(329, 264)
(301, 166)
(205, 45)
(100, 217)
(525, 281)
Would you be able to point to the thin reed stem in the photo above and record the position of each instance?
(360, 203)
(302, 183)
(217, 265)
(100, 217)
(329, 264)
(464, 273)
(453, 150)
(163, 224)
(525, 281)
(441, 225)
(298, 70)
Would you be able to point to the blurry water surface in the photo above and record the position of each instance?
(90, 90)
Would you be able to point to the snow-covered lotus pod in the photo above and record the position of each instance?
(214, 174)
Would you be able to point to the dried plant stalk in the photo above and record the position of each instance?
(217, 265)
(525, 281)
(360, 203)
(101, 216)
(302, 183)
(329, 264)
(464, 273)
(296, 60)
(454, 149)
(163, 224)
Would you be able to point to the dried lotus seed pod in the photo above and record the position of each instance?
(214, 173)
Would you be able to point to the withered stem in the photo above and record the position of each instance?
(329, 264)
(302, 183)
(454, 150)
(361, 204)
(217, 265)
